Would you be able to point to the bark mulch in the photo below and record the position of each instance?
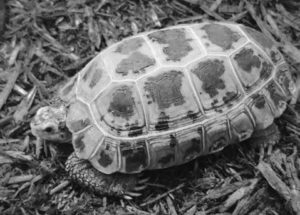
(44, 42)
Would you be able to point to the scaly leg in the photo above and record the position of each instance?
(122, 185)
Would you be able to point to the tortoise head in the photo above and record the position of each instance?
(49, 123)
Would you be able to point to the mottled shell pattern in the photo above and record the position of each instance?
(165, 97)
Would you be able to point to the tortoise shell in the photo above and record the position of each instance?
(165, 97)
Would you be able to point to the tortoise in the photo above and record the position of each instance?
(165, 97)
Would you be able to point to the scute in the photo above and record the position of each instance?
(217, 134)
(93, 79)
(284, 79)
(119, 110)
(261, 110)
(276, 98)
(78, 117)
(175, 46)
(241, 123)
(86, 141)
(215, 83)
(168, 96)
(129, 59)
(219, 37)
(252, 67)
(134, 156)
(106, 156)
(178, 147)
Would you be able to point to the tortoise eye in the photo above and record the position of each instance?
(49, 129)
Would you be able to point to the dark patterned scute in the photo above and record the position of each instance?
(119, 110)
(178, 45)
(164, 89)
(261, 111)
(93, 79)
(221, 35)
(167, 97)
(122, 103)
(215, 83)
(252, 66)
(247, 60)
(136, 63)
(130, 45)
(209, 72)
(134, 156)
(86, 141)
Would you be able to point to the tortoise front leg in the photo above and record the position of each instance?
(121, 185)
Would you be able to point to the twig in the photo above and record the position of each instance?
(172, 209)
(20, 179)
(60, 187)
(9, 86)
(162, 195)
(212, 13)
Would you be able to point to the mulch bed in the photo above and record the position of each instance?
(43, 43)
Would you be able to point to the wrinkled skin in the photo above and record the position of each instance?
(49, 124)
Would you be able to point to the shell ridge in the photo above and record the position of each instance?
(198, 40)
(104, 63)
(144, 109)
(236, 75)
(147, 41)
(101, 91)
(96, 149)
(200, 106)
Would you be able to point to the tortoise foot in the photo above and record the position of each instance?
(126, 186)
(266, 139)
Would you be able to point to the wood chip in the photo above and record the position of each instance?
(9, 85)
(215, 5)
(211, 13)
(20, 179)
(292, 197)
(60, 187)
(24, 106)
(238, 195)
(172, 210)
(162, 195)
(226, 190)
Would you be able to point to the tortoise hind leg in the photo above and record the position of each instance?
(122, 185)
(266, 138)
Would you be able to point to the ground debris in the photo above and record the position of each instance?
(44, 43)
(288, 186)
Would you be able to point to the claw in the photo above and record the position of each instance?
(132, 194)
(143, 181)
(139, 188)
(127, 197)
